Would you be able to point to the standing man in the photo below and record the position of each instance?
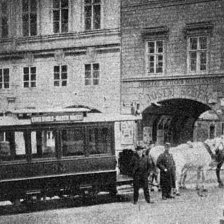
(141, 166)
(167, 168)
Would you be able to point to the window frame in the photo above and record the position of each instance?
(29, 13)
(3, 83)
(60, 17)
(155, 40)
(29, 75)
(5, 15)
(92, 28)
(60, 73)
(91, 79)
(197, 51)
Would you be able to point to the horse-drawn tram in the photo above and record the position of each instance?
(61, 152)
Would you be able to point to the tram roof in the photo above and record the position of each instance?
(49, 110)
(13, 120)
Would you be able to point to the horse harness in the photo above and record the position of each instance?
(213, 156)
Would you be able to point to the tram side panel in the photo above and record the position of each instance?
(61, 172)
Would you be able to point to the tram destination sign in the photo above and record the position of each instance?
(57, 118)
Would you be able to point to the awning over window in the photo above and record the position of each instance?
(149, 32)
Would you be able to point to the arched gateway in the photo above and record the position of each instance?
(171, 120)
(170, 108)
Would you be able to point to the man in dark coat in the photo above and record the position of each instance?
(141, 166)
(167, 168)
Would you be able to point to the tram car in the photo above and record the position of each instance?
(55, 153)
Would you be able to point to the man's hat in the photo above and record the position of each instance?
(167, 144)
(139, 147)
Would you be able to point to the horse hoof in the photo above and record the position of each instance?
(177, 194)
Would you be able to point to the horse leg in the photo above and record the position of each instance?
(218, 168)
(198, 178)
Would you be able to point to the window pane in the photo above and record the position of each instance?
(193, 43)
(64, 3)
(203, 42)
(96, 16)
(56, 68)
(95, 82)
(87, 82)
(33, 5)
(64, 75)
(48, 143)
(193, 60)
(56, 83)
(33, 84)
(33, 77)
(6, 85)
(26, 84)
(64, 68)
(159, 47)
(203, 61)
(25, 6)
(56, 3)
(72, 142)
(151, 47)
(88, 15)
(25, 25)
(26, 77)
(64, 83)
(19, 143)
(33, 70)
(56, 76)
(26, 70)
(64, 27)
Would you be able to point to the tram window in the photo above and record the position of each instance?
(43, 143)
(99, 141)
(20, 149)
(72, 142)
(5, 153)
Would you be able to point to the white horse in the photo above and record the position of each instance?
(199, 156)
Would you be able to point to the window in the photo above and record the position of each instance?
(43, 143)
(92, 74)
(4, 27)
(155, 57)
(73, 142)
(197, 54)
(99, 140)
(60, 16)
(4, 78)
(92, 13)
(60, 75)
(29, 15)
(29, 77)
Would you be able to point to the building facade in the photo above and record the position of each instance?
(172, 65)
(59, 53)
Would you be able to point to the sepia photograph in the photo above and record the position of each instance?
(111, 111)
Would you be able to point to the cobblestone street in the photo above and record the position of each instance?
(187, 208)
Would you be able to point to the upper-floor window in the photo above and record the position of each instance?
(92, 74)
(60, 75)
(155, 57)
(4, 21)
(29, 77)
(197, 54)
(60, 16)
(92, 13)
(4, 78)
(29, 14)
